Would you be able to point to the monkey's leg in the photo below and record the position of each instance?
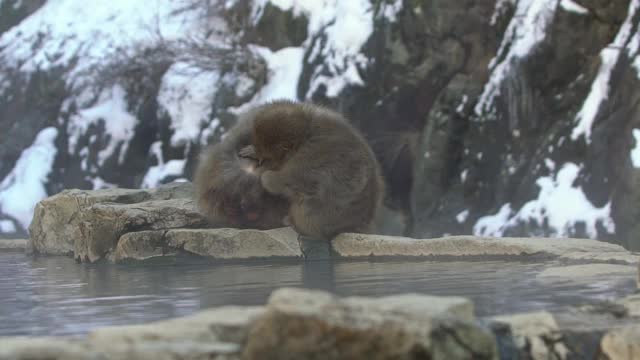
(315, 248)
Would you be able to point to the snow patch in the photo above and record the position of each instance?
(346, 26)
(285, 66)
(7, 226)
(390, 11)
(499, 9)
(493, 225)
(600, 86)
(208, 131)
(462, 216)
(65, 31)
(24, 186)
(635, 152)
(527, 28)
(157, 173)
(186, 95)
(560, 205)
(573, 6)
(111, 109)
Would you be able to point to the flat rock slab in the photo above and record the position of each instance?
(213, 243)
(14, 245)
(355, 245)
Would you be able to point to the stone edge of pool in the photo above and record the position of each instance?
(299, 324)
(139, 224)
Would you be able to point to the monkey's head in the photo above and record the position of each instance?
(278, 130)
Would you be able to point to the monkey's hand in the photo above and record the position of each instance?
(248, 152)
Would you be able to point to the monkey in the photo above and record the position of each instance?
(321, 164)
(227, 186)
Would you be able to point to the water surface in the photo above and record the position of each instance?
(56, 295)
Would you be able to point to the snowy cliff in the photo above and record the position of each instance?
(499, 117)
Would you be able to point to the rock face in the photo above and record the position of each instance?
(88, 224)
(488, 118)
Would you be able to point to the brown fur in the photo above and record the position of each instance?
(228, 189)
(321, 164)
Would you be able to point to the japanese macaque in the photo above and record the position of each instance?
(325, 169)
(227, 185)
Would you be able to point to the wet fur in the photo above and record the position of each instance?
(321, 164)
(228, 189)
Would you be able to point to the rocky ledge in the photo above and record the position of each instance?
(121, 225)
(305, 324)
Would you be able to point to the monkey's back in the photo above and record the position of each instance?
(348, 186)
(225, 189)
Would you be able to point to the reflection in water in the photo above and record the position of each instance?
(55, 295)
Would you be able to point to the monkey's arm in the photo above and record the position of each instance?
(274, 182)
(248, 152)
(291, 181)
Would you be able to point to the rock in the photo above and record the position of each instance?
(214, 243)
(101, 225)
(587, 272)
(296, 324)
(87, 224)
(534, 334)
(212, 334)
(622, 343)
(631, 305)
(351, 245)
(14, 245)
(302, 324)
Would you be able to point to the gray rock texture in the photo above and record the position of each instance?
(122, 224)
(301, 324)
(295, 324)
(214, 243)
(15, 245)
(309, 324)
(88, 224)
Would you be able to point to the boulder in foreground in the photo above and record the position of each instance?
(295, 324)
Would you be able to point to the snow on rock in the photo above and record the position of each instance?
(572, 6)
(186, 95)
(7, 226)
(499, 9)
(64, 31)
(493, 225)
(462, 216)
(347, 25)
(560, 205)
(111, 110)
(285, 66)
(528, 27)
(25, 184)
(635, 152)
(157, 173)
(600, 87)
(391, 10)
